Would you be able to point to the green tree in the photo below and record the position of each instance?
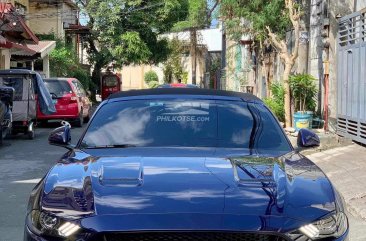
(64, 61)
(126, 31)
(199, 17)
(173, 68)
(267, 21)
(151, 79)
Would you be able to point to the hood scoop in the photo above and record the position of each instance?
(254, 171)
(121, 171)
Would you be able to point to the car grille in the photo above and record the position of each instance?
(187, 236)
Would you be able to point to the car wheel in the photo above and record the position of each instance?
(43, 122)
(31, 135)
(79, 120)
(87, 118)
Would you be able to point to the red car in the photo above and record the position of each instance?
(71, 101)
(177, 85)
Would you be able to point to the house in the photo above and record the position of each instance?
(15, 34)
(53, 17)
(61, 19)
(240, 66)
(208, 51)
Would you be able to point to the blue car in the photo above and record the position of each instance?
(184, 164)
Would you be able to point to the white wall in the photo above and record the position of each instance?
(4, 59)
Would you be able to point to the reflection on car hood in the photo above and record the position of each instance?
(93, 183)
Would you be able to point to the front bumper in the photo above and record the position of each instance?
(29, 236)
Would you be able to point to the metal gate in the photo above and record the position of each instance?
(351, 83)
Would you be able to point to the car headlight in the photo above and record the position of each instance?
(334, 225)
(46, 223)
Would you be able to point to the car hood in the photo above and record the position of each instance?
(99, 185)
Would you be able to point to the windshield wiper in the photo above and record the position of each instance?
(111, 146)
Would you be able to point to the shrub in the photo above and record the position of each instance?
(151, 79)
(277, 100)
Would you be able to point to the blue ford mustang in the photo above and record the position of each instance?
(184, 164)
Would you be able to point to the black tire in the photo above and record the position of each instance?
(79, 121)
(87, 118)
(31, 135)
(43, 123)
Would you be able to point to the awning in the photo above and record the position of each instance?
(33, 51)
(12, 45)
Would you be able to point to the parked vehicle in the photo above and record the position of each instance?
(30, 91)
(110, 83)
(184, 164)
(6, 104)
(177, 85)
(71, 101)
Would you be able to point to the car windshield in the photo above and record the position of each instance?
(110, 81)
(186, 123)
(58, 87)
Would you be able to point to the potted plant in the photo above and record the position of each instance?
(303, 90)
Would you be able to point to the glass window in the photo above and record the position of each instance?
(184, 122)
(58, 87)
(79, 88)
(16, 82)
(234, 125)
(269, 135)
(110, 81)
(154, 123)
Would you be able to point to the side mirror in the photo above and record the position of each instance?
(307, 138)
(61, 136)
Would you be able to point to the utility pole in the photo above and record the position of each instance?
(221, 80)
(303, 60)
(193, 33)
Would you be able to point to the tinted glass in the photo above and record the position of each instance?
(189, 123)
(154, 123)
(79, 88)
(234, 125)
(269, 135)
(15, 82)
(110, 81)
(58, 87)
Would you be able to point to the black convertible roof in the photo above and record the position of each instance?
(184, 91)
(17, 71)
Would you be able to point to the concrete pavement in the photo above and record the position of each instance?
(346, 168)
(22, 163)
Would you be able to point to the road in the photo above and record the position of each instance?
(22, 163)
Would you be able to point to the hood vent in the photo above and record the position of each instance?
(121, 171)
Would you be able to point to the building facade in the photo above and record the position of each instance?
(318, 56)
